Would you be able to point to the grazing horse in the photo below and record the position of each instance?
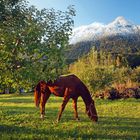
(67, 87)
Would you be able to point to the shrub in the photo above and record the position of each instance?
(116, 94)
(135, 76)
(99, 71)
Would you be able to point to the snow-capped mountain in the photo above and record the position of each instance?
(120, 26)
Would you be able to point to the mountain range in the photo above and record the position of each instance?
(120, 37)
(94, 31)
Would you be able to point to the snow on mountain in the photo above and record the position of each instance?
(139, 27)
(86, 32)
(120, 21)
(120, 26)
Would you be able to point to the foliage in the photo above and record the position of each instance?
(32, 42)
(95, 69)
(126, 46)
(135, 76)
(20, 120)
(114, 93)
(100, 70)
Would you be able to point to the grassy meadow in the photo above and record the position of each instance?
(19, 119)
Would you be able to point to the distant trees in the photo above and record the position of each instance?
(127, 47)
(32, 43)
(100, 70)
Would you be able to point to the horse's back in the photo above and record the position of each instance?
(69, 80)
(73, 82)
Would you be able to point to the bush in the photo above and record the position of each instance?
(99, 71)
(116, 94)
(135, 76)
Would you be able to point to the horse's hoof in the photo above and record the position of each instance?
(42, 117)
(57, 121)
(77, 119)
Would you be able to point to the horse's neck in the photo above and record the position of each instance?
(86, 98)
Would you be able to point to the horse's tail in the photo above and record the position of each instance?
(37, 95)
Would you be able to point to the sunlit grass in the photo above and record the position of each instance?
(19, 119)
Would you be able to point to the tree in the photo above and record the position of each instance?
(94, 70)
(32, 42)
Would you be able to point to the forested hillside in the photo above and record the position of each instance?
(124, 46)
(120, 38)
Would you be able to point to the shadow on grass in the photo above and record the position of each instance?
(107, 128)
(17, 100)
(28, 99)
(115, 128)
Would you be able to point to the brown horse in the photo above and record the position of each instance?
(67, 87)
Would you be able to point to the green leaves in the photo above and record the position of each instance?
(99, 70)
(32, 43)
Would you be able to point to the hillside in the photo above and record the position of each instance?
(118, 37)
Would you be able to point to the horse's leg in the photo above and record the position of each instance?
(44, 98)
(75, 108)
(65, 101)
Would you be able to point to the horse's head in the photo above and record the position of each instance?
(91, 111)
(39, 89)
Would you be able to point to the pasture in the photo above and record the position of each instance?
(19, 119)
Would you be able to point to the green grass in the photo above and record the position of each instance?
(19, 119)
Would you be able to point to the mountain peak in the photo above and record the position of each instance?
(120, 21)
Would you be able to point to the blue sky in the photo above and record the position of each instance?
(89, 11)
